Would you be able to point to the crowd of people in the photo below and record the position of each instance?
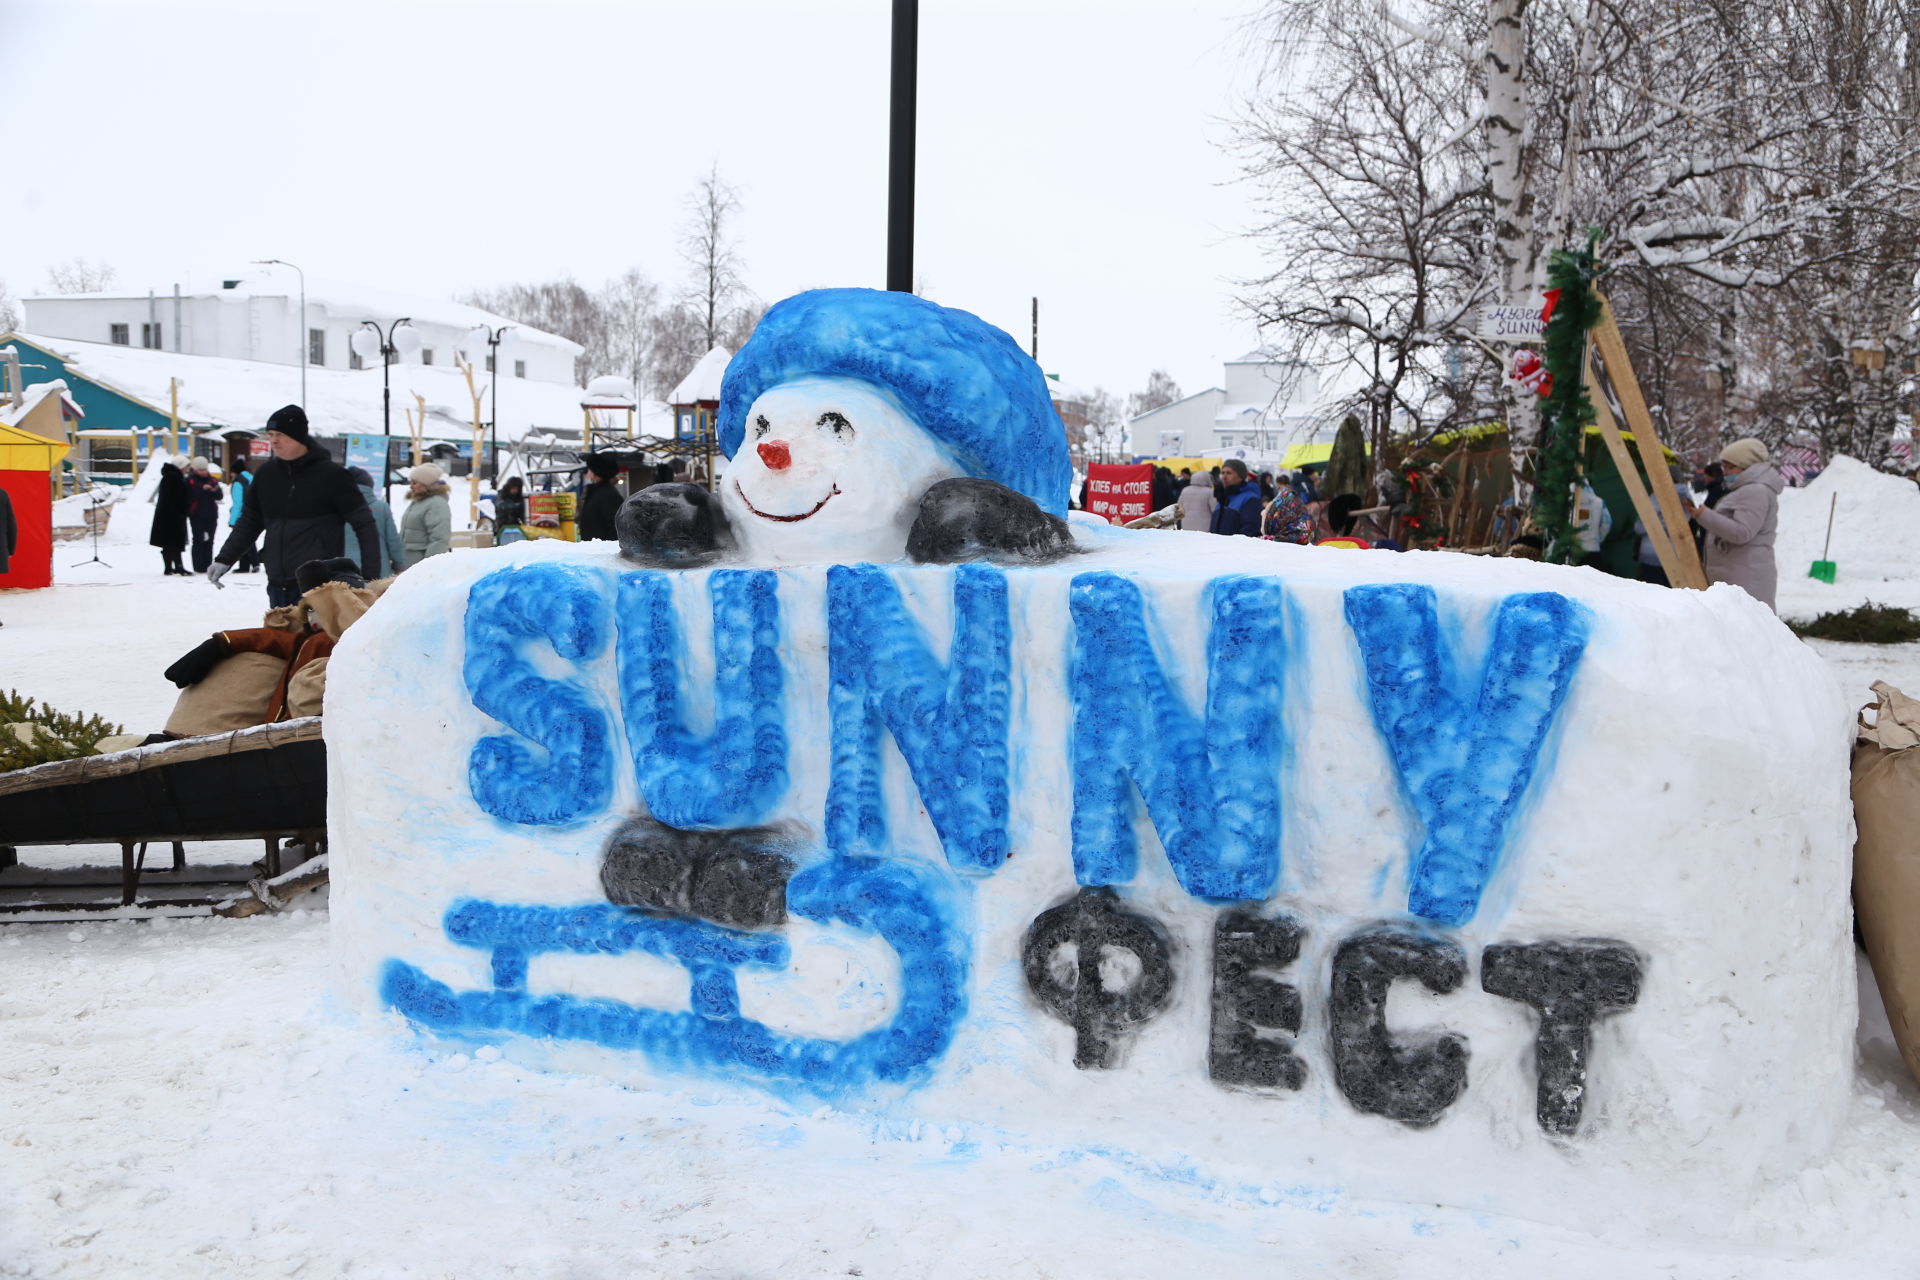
(297, 505)
(1234, 500)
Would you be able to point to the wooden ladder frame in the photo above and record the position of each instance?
(1659, 511)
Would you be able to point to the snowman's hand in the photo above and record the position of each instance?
(734, 878)
(968, 519)
(673, 526)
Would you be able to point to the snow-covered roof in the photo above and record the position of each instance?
(703, 380)
(343, 299)
(31, 396)
(241, 393)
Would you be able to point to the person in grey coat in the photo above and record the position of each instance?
(392, 556)
(1739, 542)
(1197, 503)
(427, 527)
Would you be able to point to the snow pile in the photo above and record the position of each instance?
(1876, 527)
(1398, 810)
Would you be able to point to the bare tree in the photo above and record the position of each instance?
(1106, 425)
(79, 276)
(560, 306)
(1753, 167)
(707, 247)
(1161, 390)
(9, 313)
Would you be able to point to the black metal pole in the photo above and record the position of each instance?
(386, 418)
(493, 422)
(906, 41)
(1035, 352)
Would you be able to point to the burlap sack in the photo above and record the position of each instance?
(1886, 859)
(306, 690)
(235, 694)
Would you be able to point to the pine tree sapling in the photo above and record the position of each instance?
(30, 735)
(1566, 413)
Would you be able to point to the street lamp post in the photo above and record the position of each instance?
(306, 349)
(367, 342)
(493, 338)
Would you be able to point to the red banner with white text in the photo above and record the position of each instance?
(1119, 494)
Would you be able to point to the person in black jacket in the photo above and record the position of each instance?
(600, 501)
(302, 500)
(203, 510)
(169, 529)
(9, 531)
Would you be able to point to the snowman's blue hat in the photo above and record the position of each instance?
(966, 382)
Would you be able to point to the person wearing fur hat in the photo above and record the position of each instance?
(427, 527)
(203, 510)
(600, 500)
(303, 501)
(1740, 531)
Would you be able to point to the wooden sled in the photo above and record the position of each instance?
(266, 782)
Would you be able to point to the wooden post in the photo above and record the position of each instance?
(1643, 505)
(418, 422)
(479, 442)
(173, 415)
(1619, 371)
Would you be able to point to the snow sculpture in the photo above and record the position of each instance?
(1373, 873)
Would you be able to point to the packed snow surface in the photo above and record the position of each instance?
(192, 1098)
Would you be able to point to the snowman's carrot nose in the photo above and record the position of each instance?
(774, 454)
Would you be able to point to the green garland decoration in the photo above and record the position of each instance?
(1566, 412)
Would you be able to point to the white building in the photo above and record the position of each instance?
(257, 317)
(1268, 403)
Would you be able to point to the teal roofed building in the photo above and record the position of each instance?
(119, 425)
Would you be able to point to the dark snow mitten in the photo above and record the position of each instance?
(673, 526)
(198, 662)
(339, 569)
(969, 519)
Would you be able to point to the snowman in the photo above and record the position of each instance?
(862, 425)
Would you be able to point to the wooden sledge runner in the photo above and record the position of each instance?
(266, 782)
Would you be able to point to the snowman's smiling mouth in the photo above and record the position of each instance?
(765, 515)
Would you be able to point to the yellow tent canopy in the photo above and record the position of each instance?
(25, 451)
(1305, 455)
(1176, 465)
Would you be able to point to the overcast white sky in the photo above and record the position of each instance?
(1068, 149)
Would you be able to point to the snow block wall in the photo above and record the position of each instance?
(1415, 875)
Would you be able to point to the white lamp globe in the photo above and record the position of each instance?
(406, 340)
(477, 338)
(365, 343)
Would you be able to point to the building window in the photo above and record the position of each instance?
(353, 359)
(426, 355)
(317, 347)
(117, 335)
(489, 362)
(519, 368)
(150, 336)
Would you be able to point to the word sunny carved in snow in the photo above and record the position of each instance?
(873, 697)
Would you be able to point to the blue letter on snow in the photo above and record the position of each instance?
(566, 607)
(1464, 765)
(729, 778)
(950, 723)
(1212, 786)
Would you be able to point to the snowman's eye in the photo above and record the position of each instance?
(842, 429)
(761, 426)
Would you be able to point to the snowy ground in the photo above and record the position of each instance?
(185, 1099)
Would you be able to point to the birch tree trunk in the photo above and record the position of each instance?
(1513, 249)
